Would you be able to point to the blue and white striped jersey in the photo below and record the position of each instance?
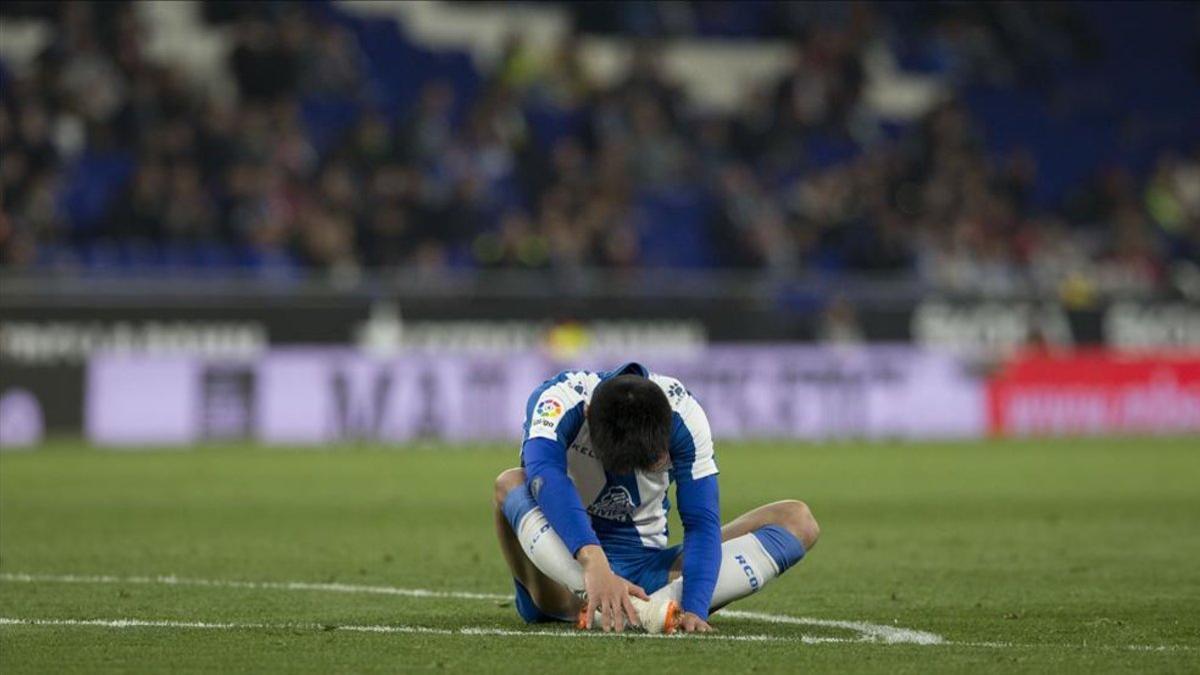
(626, 511)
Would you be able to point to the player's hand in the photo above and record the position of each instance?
(634, 590)
(607, 592)
(690, 623)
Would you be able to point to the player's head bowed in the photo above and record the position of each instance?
(630, 422)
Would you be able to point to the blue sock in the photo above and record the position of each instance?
(517, 503)
(783, 546)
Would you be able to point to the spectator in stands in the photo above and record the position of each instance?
(538, 167)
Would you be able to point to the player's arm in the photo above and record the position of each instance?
(554, 419)
(544, 456)
(546, 470)
(694, 469)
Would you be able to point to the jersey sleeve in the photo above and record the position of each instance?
(694, 469)
(700, 512)
(553, 417)
(692, 454)
(554, 412)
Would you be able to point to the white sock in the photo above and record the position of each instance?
(746, 566)
(546, 549)
(542, 544)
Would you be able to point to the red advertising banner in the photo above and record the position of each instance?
(1096, 392)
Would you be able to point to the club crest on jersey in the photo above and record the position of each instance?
(615, 504)
(549, 408)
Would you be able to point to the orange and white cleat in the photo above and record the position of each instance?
(658, 615)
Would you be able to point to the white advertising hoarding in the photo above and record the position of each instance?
(314, 396)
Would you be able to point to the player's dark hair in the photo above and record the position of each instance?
(630, 423)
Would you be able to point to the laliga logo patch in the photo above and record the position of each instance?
(615, 504)
(549, 408)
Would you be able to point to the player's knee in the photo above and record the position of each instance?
(798, 519)
(506, 482)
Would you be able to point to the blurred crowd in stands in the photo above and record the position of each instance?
(111, 159)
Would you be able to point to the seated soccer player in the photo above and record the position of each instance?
(583, 522)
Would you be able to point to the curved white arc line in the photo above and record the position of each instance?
(873, 632)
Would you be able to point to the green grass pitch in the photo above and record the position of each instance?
(1033, 556)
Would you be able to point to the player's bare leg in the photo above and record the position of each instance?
(757, 546)
(549, 595)
(789, 513)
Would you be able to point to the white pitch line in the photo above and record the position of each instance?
(172, 580)
(128, 623)
(868, 632)
(206, 625)
(806, 639)
(391, 629)
(502, 632)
